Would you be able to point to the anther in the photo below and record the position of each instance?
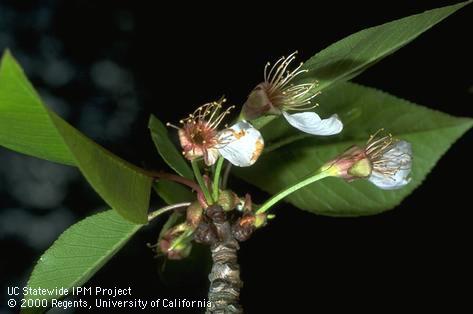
(172, 126)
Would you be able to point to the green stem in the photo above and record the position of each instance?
(200, 180)
(162, 210)
(226, 174)
(276, 198)
(216, 182)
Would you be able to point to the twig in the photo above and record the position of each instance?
(225, 283)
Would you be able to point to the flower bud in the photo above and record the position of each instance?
(180, 251)
(246, 225)
(194, 214)
(175, 244)
(228, 200)
(260, 220)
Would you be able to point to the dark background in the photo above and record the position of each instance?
(105, 66)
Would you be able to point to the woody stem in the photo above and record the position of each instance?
(225, 283)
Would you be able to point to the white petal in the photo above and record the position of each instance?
(210, 156)
(400, 154)
(399, 157)
(311, 123)
(400, 179)
(241, 144)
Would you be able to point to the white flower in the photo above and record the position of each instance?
(392, 163)
(385, 161)
(277, 95)
(241, 144)
(244, 144)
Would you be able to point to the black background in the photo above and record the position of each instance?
(171, 58)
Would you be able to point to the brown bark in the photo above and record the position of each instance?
(225, 283)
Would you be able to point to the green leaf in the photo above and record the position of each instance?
(367, 110)
(172, 192)
(350, 56)
(167, 150)
(29, 127)
(79, 253)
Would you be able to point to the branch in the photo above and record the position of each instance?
(225, 283)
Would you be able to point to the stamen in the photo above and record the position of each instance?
(219, 118)
(273, 68)
(279, 74)
(305, 107)
(214, 112)
(172, 125)
(265, 71)
(289, 76)
(373, 136)
(376, 148)
(282, 92)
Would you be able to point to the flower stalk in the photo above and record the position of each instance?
(226, 174)
(200, 180)
(319, 175)
(216, 180)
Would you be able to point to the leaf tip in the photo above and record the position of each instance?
(5, 57)
(8, 61)
(460, 5)
(8, 56)
(6, 52)
(469, 123)
(151, 121)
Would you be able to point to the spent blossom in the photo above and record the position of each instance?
(241, 144)
(277, 95)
